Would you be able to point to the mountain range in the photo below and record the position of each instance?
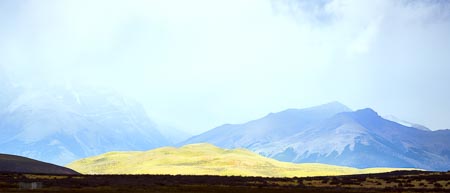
(62, 124)
(334, 134)
(205, 159)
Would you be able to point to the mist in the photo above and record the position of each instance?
(195, 65)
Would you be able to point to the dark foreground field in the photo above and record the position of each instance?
(410, 181)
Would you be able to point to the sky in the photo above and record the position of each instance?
(198, 64)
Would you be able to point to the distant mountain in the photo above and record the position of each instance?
(205, 159)
(18, 164)
(364, 139)
(406, 123)
(273, 127)
(357, 139)
(59, 125)
(174, 135)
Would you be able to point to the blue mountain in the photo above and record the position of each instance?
(60, 125)
(273, 127)
(333, 134)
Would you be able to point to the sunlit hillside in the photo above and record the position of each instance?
(205, 159)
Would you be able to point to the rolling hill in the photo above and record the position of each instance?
(18, 164)
(333, 134)
(205, 159)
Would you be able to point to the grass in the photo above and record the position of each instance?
(399, 181)
(206, 159)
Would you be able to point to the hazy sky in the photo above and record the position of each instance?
(199, 64)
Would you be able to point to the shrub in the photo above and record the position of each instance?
(437, 185)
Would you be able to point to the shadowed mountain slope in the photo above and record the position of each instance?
(18, 164)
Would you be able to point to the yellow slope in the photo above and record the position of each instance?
(206, 159)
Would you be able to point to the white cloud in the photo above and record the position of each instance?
(231, 61)
(361, 44)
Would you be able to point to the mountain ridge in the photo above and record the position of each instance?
(270, 127)
(360, 139)
(60, 124)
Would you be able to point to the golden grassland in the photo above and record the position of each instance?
(206, 159)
